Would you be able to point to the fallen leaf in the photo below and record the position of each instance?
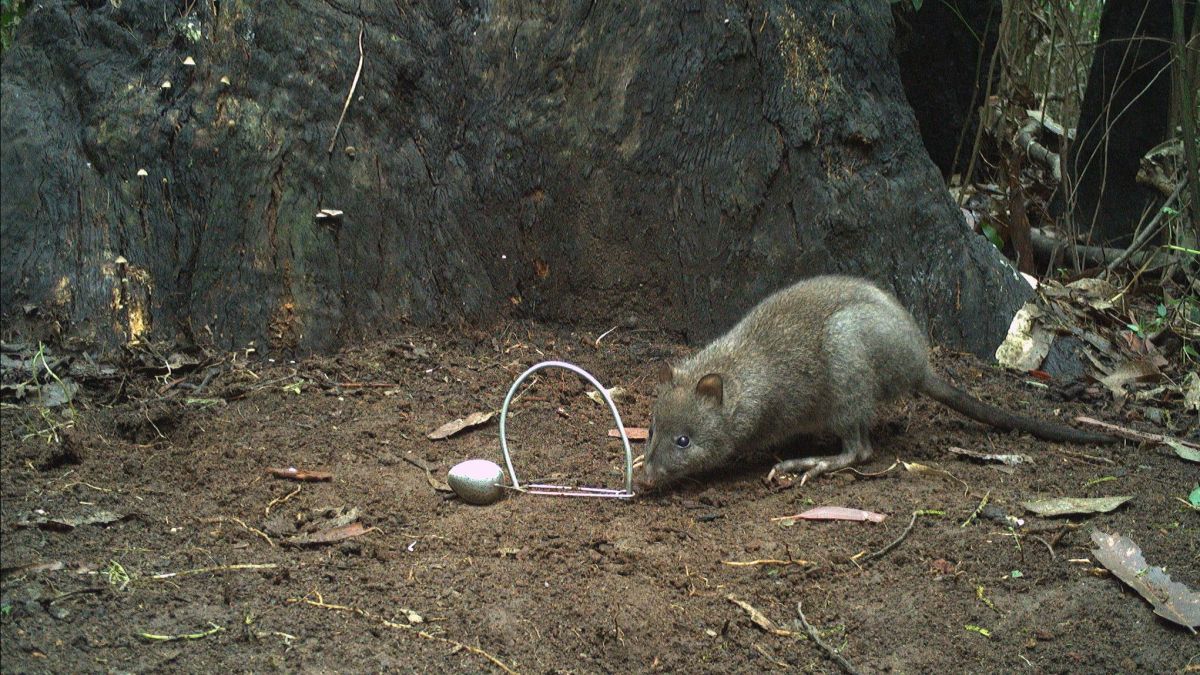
(1010, 460)
(1027, 342)
(292, 473)
(68, 523)
(1172, 600)
(329, 536)
(453, 427)
(758, 617)
(616, 394)
(1190, 454)
(330, 518)
(1139, 370)
(633, 433)
(836, 513)
(1067, 506)
(32, 568)
(943, 566)
(1194, 497)
(1191, 392)
(1096, 293)
(918, 468)
(49, 394)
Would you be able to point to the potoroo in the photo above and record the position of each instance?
(821, 355)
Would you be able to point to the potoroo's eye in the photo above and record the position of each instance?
(682, 442)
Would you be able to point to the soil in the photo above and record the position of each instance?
(546, 584)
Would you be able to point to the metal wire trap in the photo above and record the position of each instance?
(567, 490)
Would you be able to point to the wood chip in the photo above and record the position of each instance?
(632, 433)
(292, 473)
(330, 536)
(758, 617)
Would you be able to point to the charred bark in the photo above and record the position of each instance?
(1124, 114)
(571, 161)
(943, 51)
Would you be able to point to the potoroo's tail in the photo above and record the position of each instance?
(945, 393)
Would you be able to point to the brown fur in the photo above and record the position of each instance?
(820, 355)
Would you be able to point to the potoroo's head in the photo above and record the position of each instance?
(687, 431)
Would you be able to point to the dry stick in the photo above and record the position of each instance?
(433, 482)
(320, 602)
(1187, 68)
(349, 96)
(1036, 151)
(887, 549)
(1134, 435)
(752, 563)
(812, 633)
(962, 134)
(239, 521)
(1146, 233)
(759, 648)
(220, 568)
(987, 94)
(1048, 546)
(1048, 248)
(1085, 457)
(280, 500)
(978, 509)
(1110, 123)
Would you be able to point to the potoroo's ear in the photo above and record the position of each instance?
(665, 373)
(711, 387)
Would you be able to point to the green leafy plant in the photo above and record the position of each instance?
(1144, 329)
(11, 12)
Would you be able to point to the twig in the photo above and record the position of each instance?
(239, 521)
(186, 636)
(280, 500)
(1037, 151)
(220, 568)
(752, 563)
(68, 486)
(1146, 233)
(320, 602)
(349, 96)
(978, 509)
(603, 335)
(434, 483)
(981, 594)
(761, 650)
(1135, 435)
(1047, 248)
(1048, 546)
(761, 620)
(812, 633)
(1090, 458)
(886, 549)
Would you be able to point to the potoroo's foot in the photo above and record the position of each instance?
(812, 466)
(856, 449)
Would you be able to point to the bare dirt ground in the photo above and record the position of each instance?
(553, 585)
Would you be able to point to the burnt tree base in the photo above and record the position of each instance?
(571, 161)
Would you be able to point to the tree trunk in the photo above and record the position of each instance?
(1125, 113)
(943, 50)
(571, 161)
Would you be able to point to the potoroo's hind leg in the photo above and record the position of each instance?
(856, 448)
